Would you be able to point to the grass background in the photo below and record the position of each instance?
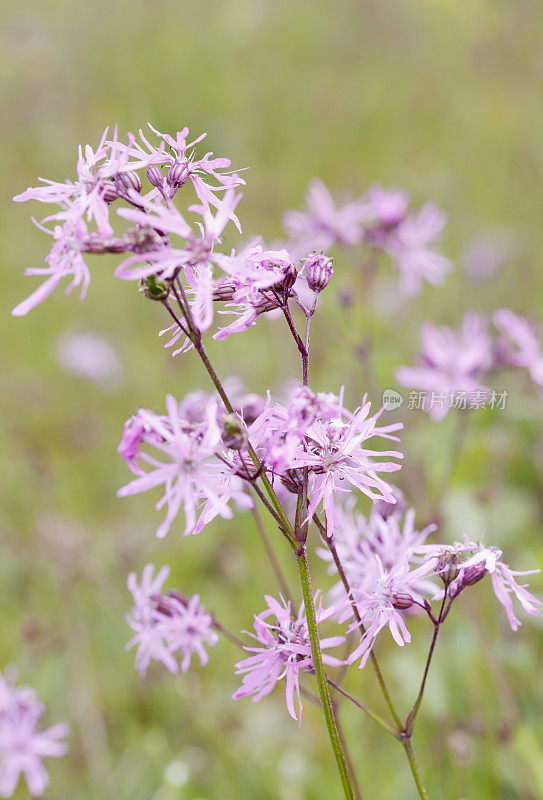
(442, 97)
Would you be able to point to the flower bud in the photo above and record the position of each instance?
(178, 174)
(293, 480)
(318, 270)
(473, 574)
(153, 289)
(109, 192)
(402, 601)
(447, 566)
(154, 175)
(233, 431)
(290, 276)
(128, 181)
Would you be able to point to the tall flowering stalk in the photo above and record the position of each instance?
(305, 458)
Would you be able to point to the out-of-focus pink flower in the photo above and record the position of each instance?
(283, 651)
(23, 744)
(183, 459)
(90, 355)
(168, 624)
(450, 362)
(323, 224)
(412, 248)
(384, 210)
(518, 345)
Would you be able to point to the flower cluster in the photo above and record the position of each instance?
(111, 173)
(167, 624)
(23, 742)
(454, 363)
(380, 219)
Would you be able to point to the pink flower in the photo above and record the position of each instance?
(178, 154)
(195, 258)
(257, 281)
(324, 224)
(366, 546)
(518, 345)
(335, 454)
(102, 176)
(88, 354)
(87, 197)
(450, 362)
(184, 460)
(64, 261)
(23, 744)
(167, 624)
(384, 210)
(480, 560)
(411, 246)
(317, 432)
(283, 651)
(381, 605)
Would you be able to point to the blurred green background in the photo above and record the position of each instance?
(441, 97)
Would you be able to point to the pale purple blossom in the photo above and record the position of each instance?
(24, 744)
(86, 197)
(518, 344)
(335, 453)
(381, 541)
(283, 650)
(181, 457)
(382, 605)
(323, 224)
(450, 362)
(64, 260)
(475, 561)
(90, 355)
(166, 625)
(412, 246)
(257, 281)
(317, 432)
(179, 156)
(384, 210)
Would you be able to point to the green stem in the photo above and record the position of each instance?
(329, 541)
(200, 349)
(377, 717)
(320, 674)
(414, 768)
